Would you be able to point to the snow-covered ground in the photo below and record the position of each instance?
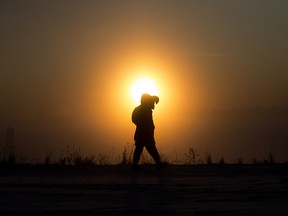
(116, 190)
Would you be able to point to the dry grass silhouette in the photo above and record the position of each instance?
(75, 157)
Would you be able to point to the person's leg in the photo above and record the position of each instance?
(152, 150)
(137, 152)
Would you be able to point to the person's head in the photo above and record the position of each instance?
(149, 101)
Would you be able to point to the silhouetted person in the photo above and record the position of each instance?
(144, 134)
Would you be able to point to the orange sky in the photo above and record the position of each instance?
(68, 66)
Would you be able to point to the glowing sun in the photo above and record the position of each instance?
(141, 86)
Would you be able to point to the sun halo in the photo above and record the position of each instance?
(141, 86)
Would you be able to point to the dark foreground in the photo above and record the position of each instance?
(115, 190)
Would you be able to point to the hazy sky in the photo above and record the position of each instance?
(66, 68)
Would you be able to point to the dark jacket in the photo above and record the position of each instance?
(142, 118)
